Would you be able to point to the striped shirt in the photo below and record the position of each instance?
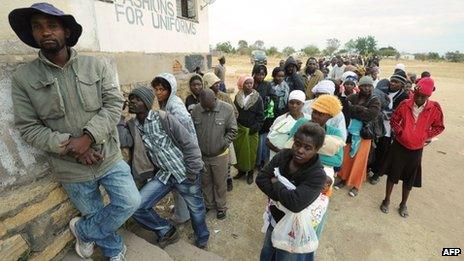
(162, 150)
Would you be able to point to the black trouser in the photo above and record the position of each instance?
(382, 146)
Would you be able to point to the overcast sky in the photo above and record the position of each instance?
(408, 25)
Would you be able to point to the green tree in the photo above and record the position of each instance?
(433, 56)
(332, 45)
(366, 45)
(288, 50)
(387, 52)
(311, 50)
(362, 45)
(258, 45)
(225, 47)
(455, 57)
(243, 48)
(350, 46)
(242, 44)
(420, 56)
(272, 51)
(244, 51)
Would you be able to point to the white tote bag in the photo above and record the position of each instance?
(294, 233)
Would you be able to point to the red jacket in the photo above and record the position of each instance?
(410, 134)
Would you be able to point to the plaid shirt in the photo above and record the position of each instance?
(163, 152)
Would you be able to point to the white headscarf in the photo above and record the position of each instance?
(297, 95)
(324, 86)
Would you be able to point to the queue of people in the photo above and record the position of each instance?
(313, 129)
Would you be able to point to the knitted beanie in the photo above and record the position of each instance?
(327, 104)
(366, 80)
(145, 94)
(425, 86)
(400, 76)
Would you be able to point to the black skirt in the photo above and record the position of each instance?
(403, 164)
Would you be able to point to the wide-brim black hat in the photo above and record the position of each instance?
(20, 22)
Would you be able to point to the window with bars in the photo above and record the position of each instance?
(187, 9)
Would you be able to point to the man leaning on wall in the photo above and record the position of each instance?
(68, 105)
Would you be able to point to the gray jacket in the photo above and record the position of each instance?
(215, 129)
(141, 169)
(52, 104)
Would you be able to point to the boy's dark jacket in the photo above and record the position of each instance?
(141, 164)
(309, 181)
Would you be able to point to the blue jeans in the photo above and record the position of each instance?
(262, 156)
(269, 252)
(155, 190)
(181, 213)
(100, 222)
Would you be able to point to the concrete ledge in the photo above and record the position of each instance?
(138, 249)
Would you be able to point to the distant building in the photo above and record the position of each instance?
(407, 56)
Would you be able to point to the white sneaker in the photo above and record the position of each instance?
(121, 256)
(83, 249)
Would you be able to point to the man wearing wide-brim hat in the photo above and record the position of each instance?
(68, 105)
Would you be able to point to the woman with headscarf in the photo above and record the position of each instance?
(363, 107)
(325, 87)
(348, 87)
(324, 108)
(250, 120)
(280, 129)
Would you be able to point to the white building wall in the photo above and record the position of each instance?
(152, 28)
(122, 26)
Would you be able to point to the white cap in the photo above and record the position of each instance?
(401, 67)
(350, 74)
(297, 95)
(324, 86)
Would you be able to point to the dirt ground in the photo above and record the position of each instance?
(356, 229)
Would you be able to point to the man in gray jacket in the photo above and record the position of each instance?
(216, 128)
(177, 157)
(68, 105)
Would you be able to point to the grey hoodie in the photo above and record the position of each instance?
(175, 106)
